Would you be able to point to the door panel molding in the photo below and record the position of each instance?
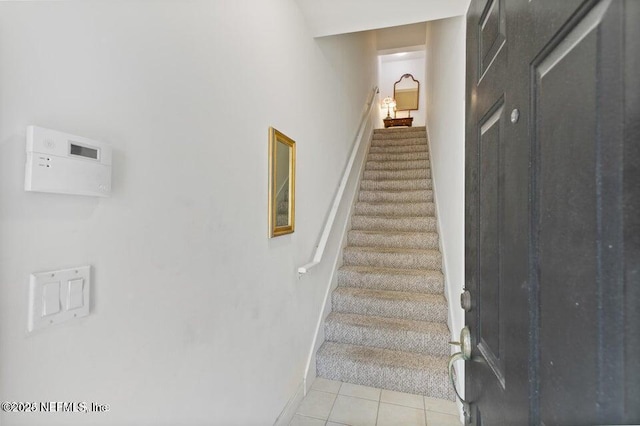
(562, 44)
(567, 301)
(491, 186)
(492, 34)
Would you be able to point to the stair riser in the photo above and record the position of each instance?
(397, 165)
(403, 340)
(423, 173)
(399, 141)
(395, 197)
(396, 185)
(373, 223)
(410, 241)
(400, 282)
(431, 384)
(404, 156)
(393, 260)
(405, 309)
(401, 149)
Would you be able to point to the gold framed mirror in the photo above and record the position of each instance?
(405, 92)
(282, 183)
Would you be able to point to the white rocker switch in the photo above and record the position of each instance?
(51, 298)
(75, 298)
(56, 297)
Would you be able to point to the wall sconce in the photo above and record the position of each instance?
(389, 103)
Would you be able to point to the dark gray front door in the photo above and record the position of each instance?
(553, 211)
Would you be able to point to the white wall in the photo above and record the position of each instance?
(197, 317)
(392, 67)
(446, 124)
(328, 17)
(402, 36)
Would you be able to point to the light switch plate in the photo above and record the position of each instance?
(58, 296)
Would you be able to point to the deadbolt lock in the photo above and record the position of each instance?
(465, 300)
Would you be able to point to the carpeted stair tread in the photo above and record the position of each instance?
(395, 185)
(400, 223)
(384, 368)
(398, 156)
(420, 133)
(395, 196)
(388, 257)
(391, 279)
(419, 137)
(390, 333)
(397, 174)
(395, 209)
(401, 130)
(395, 165)
(400, 149)
(415, 138)
(399, 239)
(393, 304)
(398, 141)
(392, 250)
(415, 134)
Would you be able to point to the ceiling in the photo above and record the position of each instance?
(330, 17)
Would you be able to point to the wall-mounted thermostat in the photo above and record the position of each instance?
(66, 164)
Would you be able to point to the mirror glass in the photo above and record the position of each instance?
(282, 183)
(405, 92)
(282, 152)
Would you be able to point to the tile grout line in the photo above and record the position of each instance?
(378, 410)
(400, 405)
(334, 403)
(312, 417)
(424, 406)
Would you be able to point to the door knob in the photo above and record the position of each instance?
(464, 354)
(464, 343)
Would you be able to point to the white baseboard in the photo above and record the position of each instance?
(310, 370)
(450, 299)
(441, 244)
(289, 410)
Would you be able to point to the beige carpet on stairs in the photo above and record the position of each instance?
(388, 324)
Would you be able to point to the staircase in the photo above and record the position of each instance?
(388, 325)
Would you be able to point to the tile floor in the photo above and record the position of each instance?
(331, 403)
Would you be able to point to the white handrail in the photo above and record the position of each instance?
(317, 257)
